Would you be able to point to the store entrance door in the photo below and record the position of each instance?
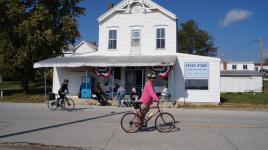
(134, 79)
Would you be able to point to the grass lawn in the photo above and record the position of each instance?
(247, 98)
(14, 93)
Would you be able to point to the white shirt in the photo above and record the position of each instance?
(164, 92)
(121, 89)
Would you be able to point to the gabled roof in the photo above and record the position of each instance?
(87, 43)
(237, 62)
(125, 4)
(241, 73)
(78, 51)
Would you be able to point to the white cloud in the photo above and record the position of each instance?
(235, 15)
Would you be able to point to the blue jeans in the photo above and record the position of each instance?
(121, 95)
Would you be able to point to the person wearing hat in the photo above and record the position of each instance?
(148, 96)
(61, 92)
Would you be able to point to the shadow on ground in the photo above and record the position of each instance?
(59, 125)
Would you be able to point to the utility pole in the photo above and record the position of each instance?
(261, 53)
(261, 59)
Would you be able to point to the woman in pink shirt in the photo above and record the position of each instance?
(148, 96)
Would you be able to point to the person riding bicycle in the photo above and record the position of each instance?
(148, 96)
(61, 92)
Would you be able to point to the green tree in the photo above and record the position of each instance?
(34, 30)
(193, 40)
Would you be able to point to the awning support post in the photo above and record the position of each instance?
(113, 85)
(142, 79)
(1, 93)
(86, 77)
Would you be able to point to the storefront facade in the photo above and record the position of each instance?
(135, 37)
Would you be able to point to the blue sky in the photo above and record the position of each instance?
(235, 25)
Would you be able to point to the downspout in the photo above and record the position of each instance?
(86, 77)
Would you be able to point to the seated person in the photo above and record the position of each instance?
(99, 93)
(164, 91)
(164, 95)
(121, 92)
(116, 86)
(133, 94)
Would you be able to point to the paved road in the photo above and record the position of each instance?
(92, 127)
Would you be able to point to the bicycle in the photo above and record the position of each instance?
(132, 122)
(53, 102)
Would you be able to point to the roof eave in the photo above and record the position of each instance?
(114, 9)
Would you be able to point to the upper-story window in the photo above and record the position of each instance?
(245, 67)
(234, 67)
(135, 38)
(160, 38)
(112, 43)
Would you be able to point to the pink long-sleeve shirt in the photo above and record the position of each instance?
(148, 95)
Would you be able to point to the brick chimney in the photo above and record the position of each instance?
(110, 6)
(225, 66)
(94, 43)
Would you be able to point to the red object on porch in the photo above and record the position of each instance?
(105, 72)
(162, 71)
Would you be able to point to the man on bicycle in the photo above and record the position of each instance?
(61, 92)
(148, 95)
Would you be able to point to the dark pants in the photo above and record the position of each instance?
(101, 99)
(61, 97)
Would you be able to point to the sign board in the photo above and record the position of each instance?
(196, 70)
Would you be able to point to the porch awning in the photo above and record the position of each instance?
(107, 61)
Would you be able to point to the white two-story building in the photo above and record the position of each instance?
(240, 77)
(237, 66)
(137, 36)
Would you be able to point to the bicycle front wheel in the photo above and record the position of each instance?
(130, 122)
(52, 104)
(68, 104)
(164, 122)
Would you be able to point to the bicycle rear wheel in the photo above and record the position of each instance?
(130, 122)
(164, 122)
(52, 104)
(68, 104)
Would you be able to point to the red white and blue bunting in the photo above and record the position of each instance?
(105, 72)
(162, 71)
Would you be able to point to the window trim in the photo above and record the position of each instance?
(234, 67)
(116, 39)
(245, 67)
(197, 89)
(161, 38)
(131, 40)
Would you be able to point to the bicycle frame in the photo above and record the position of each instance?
(145, 120)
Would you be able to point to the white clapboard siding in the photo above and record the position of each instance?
(211, 95)
(241, 84)
(147, 23)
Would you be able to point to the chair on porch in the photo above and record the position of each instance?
(135, 98)
(125, 102)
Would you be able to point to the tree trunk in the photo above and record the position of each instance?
(25, 84)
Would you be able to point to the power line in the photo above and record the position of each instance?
(240, 48)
